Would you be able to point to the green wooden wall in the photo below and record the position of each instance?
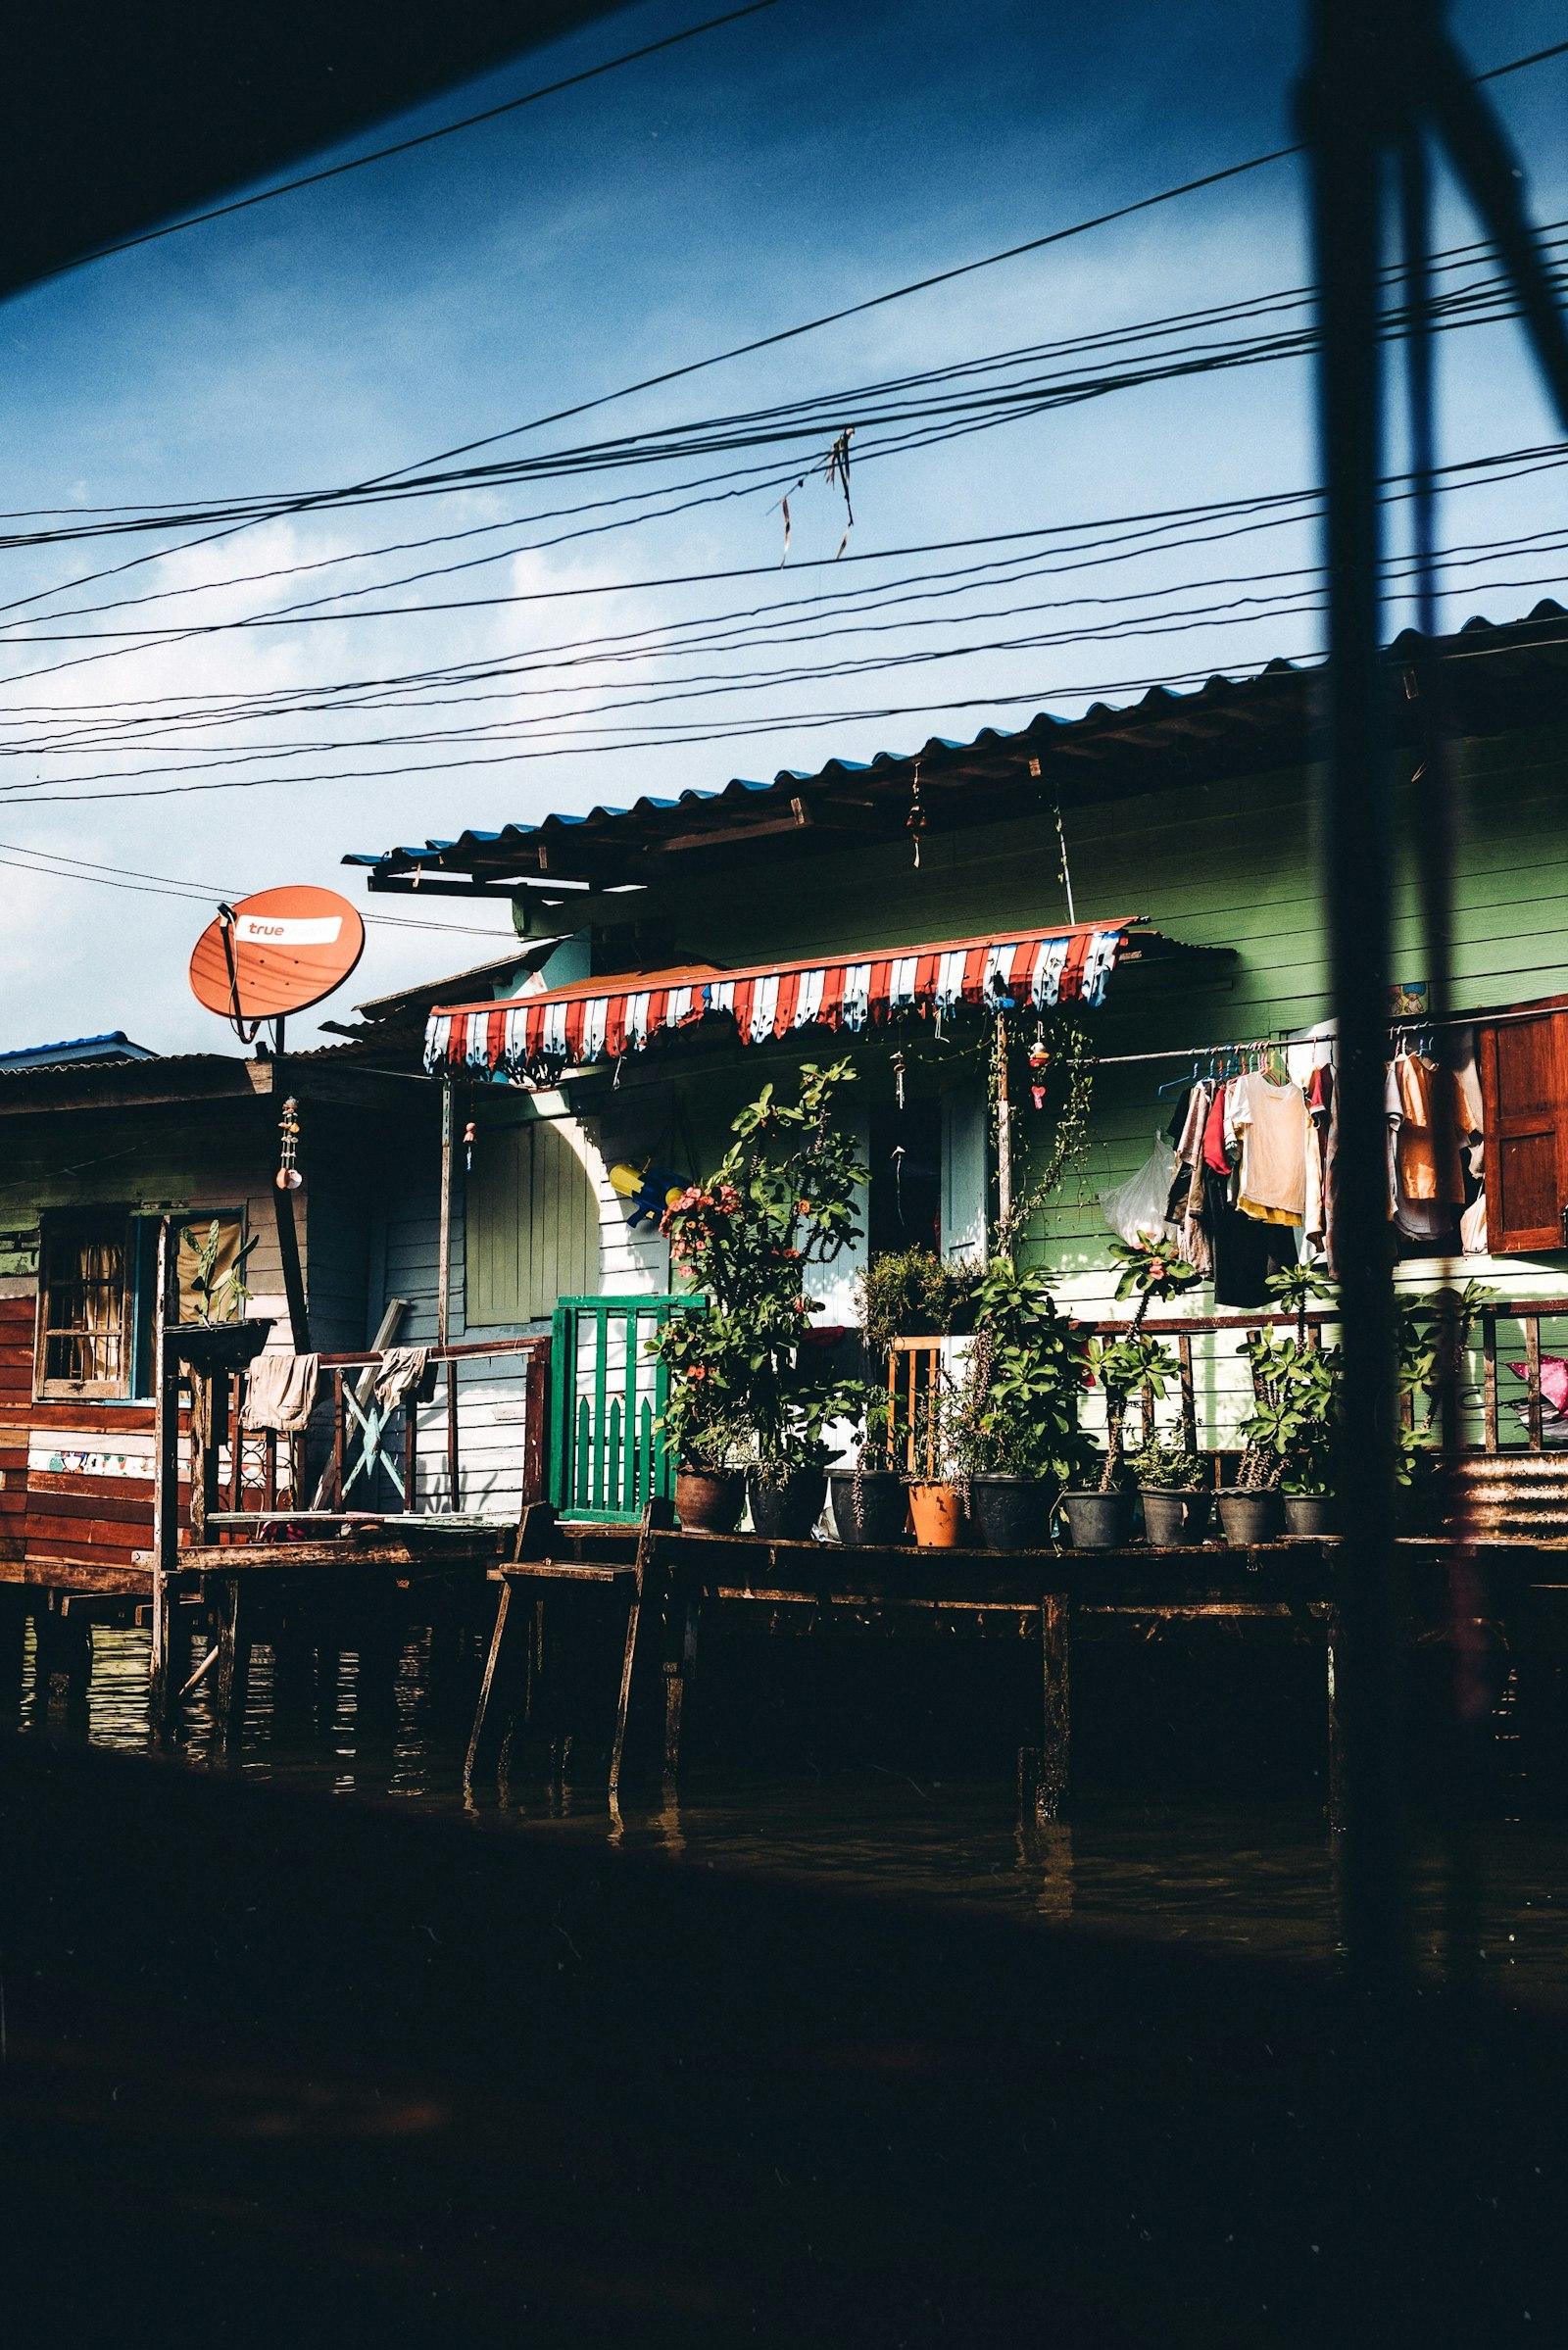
(532, 1225)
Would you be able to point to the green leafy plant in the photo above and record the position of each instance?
(747, 1374)
(1167, 1467)
(1017, 1402)
(220, 1296)
(1124, 1366)
(1065, 1077)
(911, 1294)
(1433, 1335)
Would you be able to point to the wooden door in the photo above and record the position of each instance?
(1524, 1086)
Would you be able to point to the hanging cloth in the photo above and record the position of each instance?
(1269, 1122)
(280, 1393)
(399, 1372)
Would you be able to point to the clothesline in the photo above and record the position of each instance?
(1411, 1024)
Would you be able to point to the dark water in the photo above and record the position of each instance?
(1241, 1870)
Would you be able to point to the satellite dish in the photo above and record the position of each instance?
(277, 953)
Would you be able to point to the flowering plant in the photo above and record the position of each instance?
(746, 1373)
(1017, 1413)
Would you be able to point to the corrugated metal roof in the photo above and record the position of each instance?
(115, 1046)
(1226, 726)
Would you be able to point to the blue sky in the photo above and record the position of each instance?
(773, 169)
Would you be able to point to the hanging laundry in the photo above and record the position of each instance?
(280, 1393)
(1426, 1178)
(1186, 1206)
(1270, 1126)
(399, 1373)
(1214, 1157)
(1245, 1253)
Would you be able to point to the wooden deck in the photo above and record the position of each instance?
(670, 1580)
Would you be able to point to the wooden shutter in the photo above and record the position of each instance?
(1524, 1089)
(532, 1231)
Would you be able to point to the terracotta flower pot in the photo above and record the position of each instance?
(937, 1514)
(710, 1500)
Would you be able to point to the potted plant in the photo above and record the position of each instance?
(1016, 1417)
(911, 1293)
(1434, 1333)
(936, 1481)
(1252, 1510)
(869, 1501)
(1177, 1502)
(1102, 1517)
(710, 1448)
(222, 1340)
(780, 1201)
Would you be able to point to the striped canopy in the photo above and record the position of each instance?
(533, 1039)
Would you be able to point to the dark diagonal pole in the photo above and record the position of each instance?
(1382, 77)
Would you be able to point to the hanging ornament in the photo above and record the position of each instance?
(915, 821)
(288, 1177)
(1039, 1064)
(468, 1146)
(898, 1079)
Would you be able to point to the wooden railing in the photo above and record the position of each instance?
(363, 1454)
(913, 1367)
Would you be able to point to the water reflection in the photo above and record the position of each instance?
(1257, 1875)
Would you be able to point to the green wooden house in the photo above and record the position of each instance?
(1149, 871)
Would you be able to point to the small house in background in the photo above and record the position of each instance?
(104, 1147)
(1129, 897)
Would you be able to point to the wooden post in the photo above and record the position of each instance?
(1004, 1127)
(680, 1659)
(1043, 1771)
(233, 1657)
(506, 1680)
(1184, 1352)
(658, 1516)
(289, 1250)
(535, 1420)
(454, 1461)
(443, 1288)
(165, 1466)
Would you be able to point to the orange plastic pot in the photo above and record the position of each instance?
(936, 1511)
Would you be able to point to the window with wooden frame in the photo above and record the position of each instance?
(1524, 1091)
(86, 1304)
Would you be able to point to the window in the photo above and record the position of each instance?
(84, 1304)
(98, 1296)
(1524, 1091)
(532, 1225)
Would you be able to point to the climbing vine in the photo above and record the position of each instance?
(1050, 1140)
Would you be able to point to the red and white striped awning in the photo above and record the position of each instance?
(534, 1038)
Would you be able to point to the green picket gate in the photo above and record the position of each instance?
(608, 1459)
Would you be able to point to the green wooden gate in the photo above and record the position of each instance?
(607, 1395)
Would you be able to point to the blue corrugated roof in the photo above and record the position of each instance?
(116, 1046)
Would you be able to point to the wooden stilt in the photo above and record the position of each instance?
(233, 1658)
(505, 1681)
(12, 1650)
(643, 1611)
(173, 1625)
(680, 1659)
(1043, 1771)
(64, 1667)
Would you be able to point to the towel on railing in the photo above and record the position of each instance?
(280, 1393)
(398, 1374)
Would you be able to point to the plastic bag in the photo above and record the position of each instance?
(1135, 1209)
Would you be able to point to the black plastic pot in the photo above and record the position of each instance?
(1013, 1513)
(1176, 1516)
(710, 1500)
(1251, 1515)
(1101, 1521)
(210, 1346)
(785, 1510)
(883, 1510)
(1310, 1513)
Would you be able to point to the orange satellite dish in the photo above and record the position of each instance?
(277, 953)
